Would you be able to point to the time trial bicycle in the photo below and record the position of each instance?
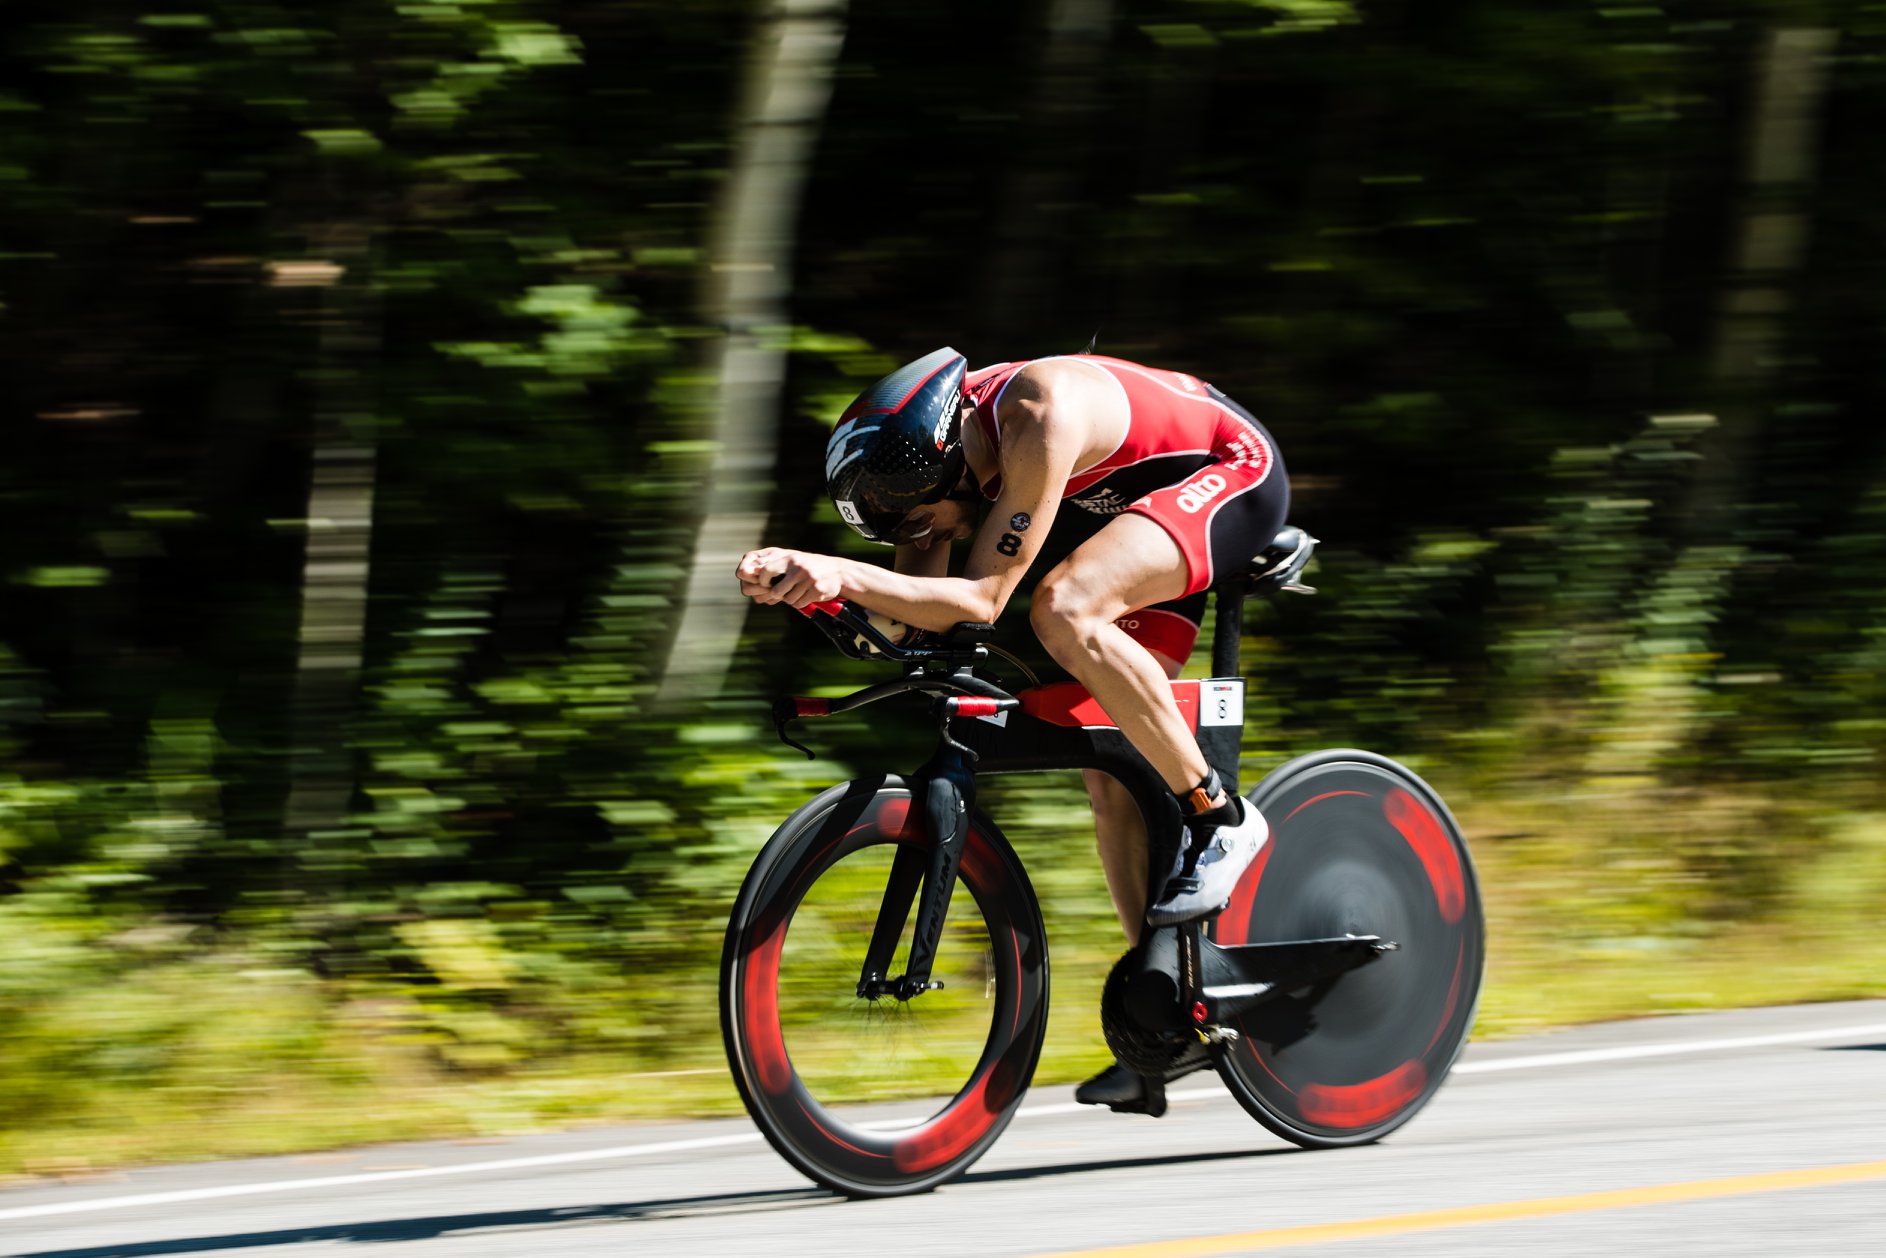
(1332, 994)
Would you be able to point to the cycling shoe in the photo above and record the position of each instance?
(1227, 855)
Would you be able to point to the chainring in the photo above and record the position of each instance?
(1160, 1054)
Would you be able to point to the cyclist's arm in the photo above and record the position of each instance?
(1043, 437)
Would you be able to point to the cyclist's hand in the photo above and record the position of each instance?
(792, 577)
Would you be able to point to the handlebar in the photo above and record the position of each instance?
(851, 631)
(958, 694)
(936, 664)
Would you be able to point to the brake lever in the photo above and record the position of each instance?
(785, 711)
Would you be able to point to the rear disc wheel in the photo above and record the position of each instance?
(1359, 846)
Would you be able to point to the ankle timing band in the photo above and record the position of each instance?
(1199, 799)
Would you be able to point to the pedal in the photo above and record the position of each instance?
(1150, 1102)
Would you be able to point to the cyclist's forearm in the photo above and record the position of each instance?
(925, 602)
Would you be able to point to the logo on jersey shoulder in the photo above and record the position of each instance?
(1102, 502)
(1193, 497)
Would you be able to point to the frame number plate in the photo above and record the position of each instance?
(1221, 701)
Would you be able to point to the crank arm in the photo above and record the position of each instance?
(1242, 976)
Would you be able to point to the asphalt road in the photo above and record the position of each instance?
(1760, 1132)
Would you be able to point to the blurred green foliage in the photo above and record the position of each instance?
(1474, 262)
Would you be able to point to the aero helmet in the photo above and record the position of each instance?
(899, 445)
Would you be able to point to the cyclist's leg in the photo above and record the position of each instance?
(1174, 539)
(1169, 632)
(1120, 836)
(1131, 563)
(1169, 544)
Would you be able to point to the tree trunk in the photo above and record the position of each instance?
(788, 84)
(1770, 243)
(339, 529)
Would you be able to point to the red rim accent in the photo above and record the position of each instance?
(949, 1133)
(892, 817)
(1015, 950)
(1453, 998)
(1265, 1067)
(761, 997)
(980, 866)
(1424, 834)
(1352, 1105)
(1236, 919)
(1320, 798)
(827, 1133)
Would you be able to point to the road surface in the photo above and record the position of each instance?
(1757, 1132)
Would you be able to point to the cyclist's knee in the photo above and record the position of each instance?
(1065, 614)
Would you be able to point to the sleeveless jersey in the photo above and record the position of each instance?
(1178, 424)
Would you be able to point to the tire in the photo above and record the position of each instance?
(1359, 845)
(830, 1077)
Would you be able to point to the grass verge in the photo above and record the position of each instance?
(1592, 916)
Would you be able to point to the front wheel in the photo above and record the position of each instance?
(841, 1084)
(1359, 846)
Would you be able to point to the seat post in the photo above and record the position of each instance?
(1228, 631)
(1222, 743)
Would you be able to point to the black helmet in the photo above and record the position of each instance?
(899, 445)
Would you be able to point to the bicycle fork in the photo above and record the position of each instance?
(946, 790)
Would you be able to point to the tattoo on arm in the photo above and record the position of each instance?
(1010, 544)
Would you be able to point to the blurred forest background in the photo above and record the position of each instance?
(389, 386)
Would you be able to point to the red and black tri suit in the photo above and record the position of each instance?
(1192, 459)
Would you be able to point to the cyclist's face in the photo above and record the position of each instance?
(949, 520)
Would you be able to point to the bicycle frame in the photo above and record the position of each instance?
(1182, 975)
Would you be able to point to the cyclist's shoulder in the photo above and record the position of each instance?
(1075, 377)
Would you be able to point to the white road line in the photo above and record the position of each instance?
(1534, 1062)
(375, 1177)
(1630, 1051)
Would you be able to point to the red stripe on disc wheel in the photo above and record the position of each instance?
(1424, 834)
(1353, 1105)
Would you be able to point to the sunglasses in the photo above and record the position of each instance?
(915, 525)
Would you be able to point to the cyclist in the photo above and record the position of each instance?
(1159, 480)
